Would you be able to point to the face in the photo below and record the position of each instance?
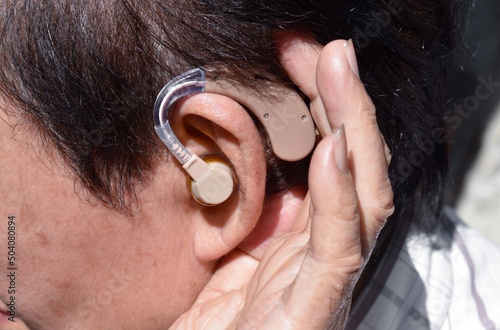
(82, 265)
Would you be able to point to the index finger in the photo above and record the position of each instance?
(347, 102)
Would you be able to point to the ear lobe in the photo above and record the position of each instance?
(211, 124)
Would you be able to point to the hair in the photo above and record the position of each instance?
(86, 74)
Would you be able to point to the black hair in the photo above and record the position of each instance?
(86, 74)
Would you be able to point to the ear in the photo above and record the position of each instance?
(211, 124)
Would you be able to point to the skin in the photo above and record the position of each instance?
(291, 262)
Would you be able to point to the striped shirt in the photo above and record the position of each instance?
(450, 280)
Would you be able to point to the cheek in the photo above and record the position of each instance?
(79, 263)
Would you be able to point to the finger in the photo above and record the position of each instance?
(299, 56)
(334, 256)
(347, 102)
(335, 218)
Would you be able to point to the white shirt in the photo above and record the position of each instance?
(448, 280)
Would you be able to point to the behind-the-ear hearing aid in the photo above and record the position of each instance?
(283, 114)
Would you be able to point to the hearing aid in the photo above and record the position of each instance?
(282, 112)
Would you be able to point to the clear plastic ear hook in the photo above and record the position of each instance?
(191, 82)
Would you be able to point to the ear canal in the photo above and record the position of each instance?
(216, 185)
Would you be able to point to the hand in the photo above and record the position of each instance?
(305, 278)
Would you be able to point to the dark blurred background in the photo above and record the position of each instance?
(474, 185)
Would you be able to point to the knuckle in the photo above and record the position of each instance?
(367, 113)
(366, 108)
(387, 151)
(384, 211)
(383, 206)
(388, 154)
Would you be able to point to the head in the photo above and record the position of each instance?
(106, 230)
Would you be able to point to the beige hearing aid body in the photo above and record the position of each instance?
(283, 114)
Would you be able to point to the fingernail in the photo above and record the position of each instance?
(351, 57)
(341, 149)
